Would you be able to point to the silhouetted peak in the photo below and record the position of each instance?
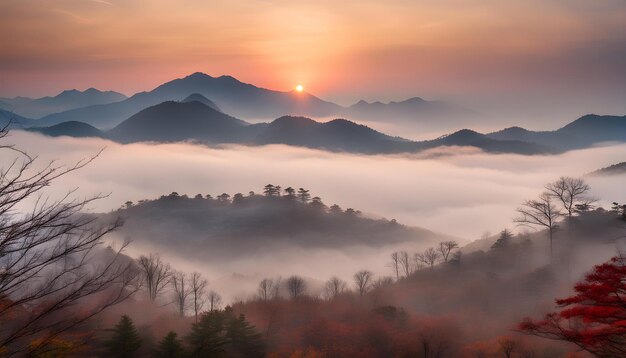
(197, 97)
(414, 100)
(294, 120)
(464, 134)
(196, 75)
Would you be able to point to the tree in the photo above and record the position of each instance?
(198, 290)
(303, 195)
(124, 341)
(317, 203)
(271, 190)
(238, 199)
(503, 241)
(156, 273)
(335, 209)
(51, 255)
(395, 264)
(541, 212)
(429, 257)
(291, 193)
(223, 198)
(362, 281)
(170, 347)
(268, 289)
(507, 346)
(405, 263)
(182, 291)
(446, 247)
(243, 339)
(296, 287)
(215, 301)
(334, 287)
(594, 317)
(207, 337)
(570, 192)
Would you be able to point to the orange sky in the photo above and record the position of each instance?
(341, 50)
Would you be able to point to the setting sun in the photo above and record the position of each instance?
(299, 88)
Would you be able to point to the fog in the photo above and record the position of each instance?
(455, 191)
(461, 192)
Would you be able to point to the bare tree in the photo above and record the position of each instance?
(405, 263)
(269, 289)
(570, 192)
(198, 290)
(363, 281)
(334, 287)
(446, 247)
(395, 264)
(429, 257)
(215, 301)
(156, 273)
(51, 257)
(182, 291)
(296, 287)
(541, 212)
(382, 282)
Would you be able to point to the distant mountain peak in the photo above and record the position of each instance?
(197, 97)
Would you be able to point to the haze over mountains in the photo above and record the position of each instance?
(199, 119)
(250, 102)
(225, 227)
(66, 100)
(208, 109)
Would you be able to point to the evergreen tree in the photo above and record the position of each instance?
(303, 195)
(243, 338)
(504, 240)
(124, 341)
(170, 347)
(207, 337)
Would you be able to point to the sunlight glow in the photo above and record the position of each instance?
(299, 88)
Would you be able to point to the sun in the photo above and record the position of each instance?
(299, 88)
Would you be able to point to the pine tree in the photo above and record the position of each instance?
(243, 338)
(207, 336)
(124, 341)
(504, 240)
(170, 347)
(303, 195)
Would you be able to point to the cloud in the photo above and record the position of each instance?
(457, 191)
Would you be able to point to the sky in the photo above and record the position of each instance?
(518, 56)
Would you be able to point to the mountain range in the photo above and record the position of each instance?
(198, 119)
(66, 100)
(250, 102)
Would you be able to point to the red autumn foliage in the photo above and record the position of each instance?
(594, 318)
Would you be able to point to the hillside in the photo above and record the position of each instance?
(615, 169)
(70, 129)
(581, 133)
(178, 121)
(223, 228)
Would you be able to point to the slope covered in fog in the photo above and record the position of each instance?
(226, 228)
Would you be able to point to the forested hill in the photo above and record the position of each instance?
(225, 225)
